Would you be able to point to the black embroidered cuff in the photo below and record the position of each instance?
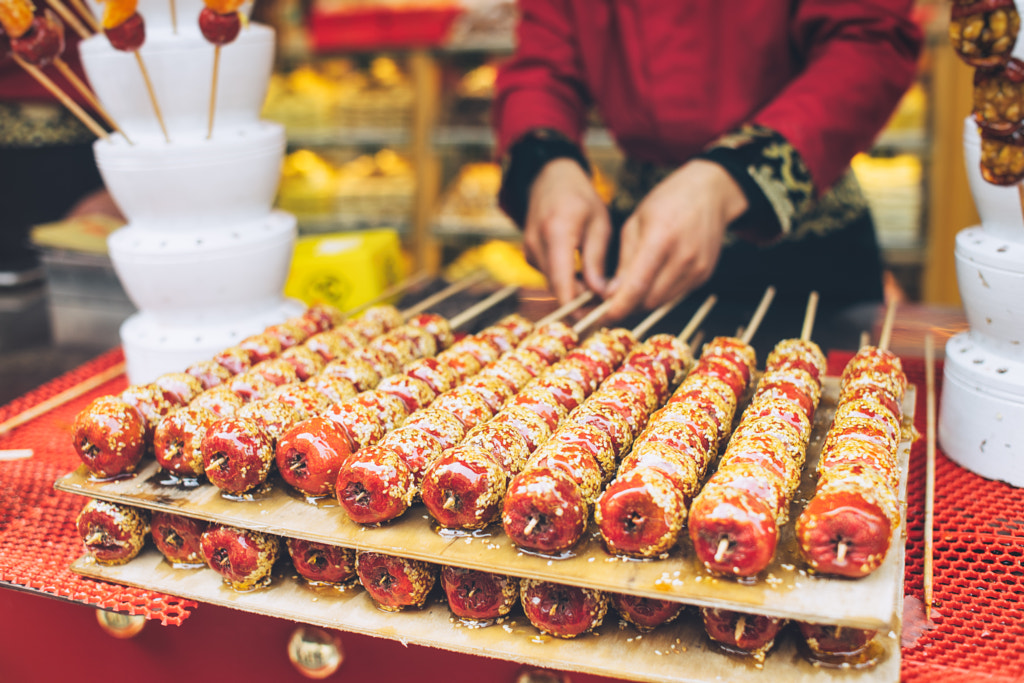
(524, 161)
(773, 177)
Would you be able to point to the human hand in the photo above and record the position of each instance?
(671, 242)
(565, 214)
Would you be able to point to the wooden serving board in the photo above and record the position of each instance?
(783, 590)
(674, 652)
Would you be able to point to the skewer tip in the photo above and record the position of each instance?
(723, 546)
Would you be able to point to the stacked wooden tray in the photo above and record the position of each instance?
(675, 652)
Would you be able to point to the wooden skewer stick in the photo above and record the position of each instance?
(723, 545)
(654, 316)
(152, 95)
(389, 292)
(86, 13)
(71, 19)
(590, 318)
(741, 626)
(483, 306)
(213, 91)
(566, 309)
(88, 94)
(812, 310)
(216, 464)
(886, 335)
(72, 106)
(758, 316)
(695, 343)
(174, 18)
(63, 397)
(698, 317)
(929, 488)
(450, 290)
(865, 339)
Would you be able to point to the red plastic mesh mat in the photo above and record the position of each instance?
(977, 633)
(38, 539)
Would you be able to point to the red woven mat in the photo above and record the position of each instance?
(38, 539)
(977, 629)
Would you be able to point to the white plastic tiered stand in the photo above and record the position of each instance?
(204, 256)
(981, 421)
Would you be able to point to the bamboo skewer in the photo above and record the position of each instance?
(88, 94)
(87, 15)
(54, 90)
(174, 18)
(809, 314)
(697, 340)
(63, 397)
(482, 306)
(865, 339)
(566, 309)
(886, 335)
(389, 292)
(590, 318)
(71, 19)
(654, 316)
(152, 95)
(454, 288)
(755, 320)
(929, 489)
(213, 91)
(698, 317)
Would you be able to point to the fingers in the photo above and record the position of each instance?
(637, 269)
(562, 241)
(595, 252)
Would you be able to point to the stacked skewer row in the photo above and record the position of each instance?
(525, 429)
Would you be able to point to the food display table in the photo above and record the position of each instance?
(976, 628)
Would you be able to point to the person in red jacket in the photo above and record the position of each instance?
(738, 121)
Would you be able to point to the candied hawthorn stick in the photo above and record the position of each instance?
(465, 488)
(447, 420)
(220, 24)
(846, 528)
(178, 538)
(320, 563)
(735, 520)
(478, 595)
(547, 506)
(109, 436)
(562, 611)
(395, 583)
(243, 558)
(112, 533)
(126, 30)
(748, 634)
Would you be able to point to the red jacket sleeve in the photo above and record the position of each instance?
(541, 86)
(861, 56)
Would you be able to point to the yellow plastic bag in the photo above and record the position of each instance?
(345, 269)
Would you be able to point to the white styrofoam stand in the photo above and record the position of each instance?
(998, 206)
(981, 420)
(195, 184)
(204, 257)
(990, 274)
(175, 275)
(153, 347)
